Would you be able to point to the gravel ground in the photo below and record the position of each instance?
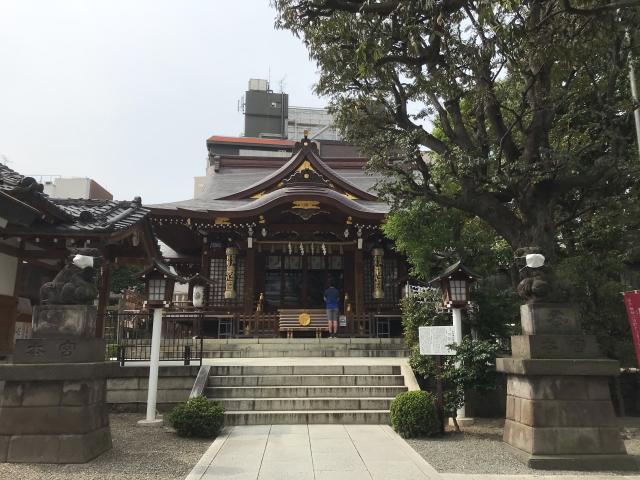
(479, 449)
(138, 454)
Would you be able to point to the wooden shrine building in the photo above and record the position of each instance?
(271, 232)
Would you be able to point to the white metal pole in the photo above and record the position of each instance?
(634, 95)
(156, 338)
(457, 328)
(457, 324)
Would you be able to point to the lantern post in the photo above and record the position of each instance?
(455, 283)
(159, 282)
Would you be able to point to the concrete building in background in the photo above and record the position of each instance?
(265, 111)
(75, 187)
(267, 114)
(317, 121)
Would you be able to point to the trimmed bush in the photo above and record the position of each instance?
(414, 414)
(197, 417)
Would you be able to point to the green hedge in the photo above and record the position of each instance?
(414, 414)
(197, 417)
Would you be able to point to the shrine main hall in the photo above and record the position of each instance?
(272, 224)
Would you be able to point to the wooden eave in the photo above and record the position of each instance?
(18, 212)
(279, 197)
(160, 267)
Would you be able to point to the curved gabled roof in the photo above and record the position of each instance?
(307, 152)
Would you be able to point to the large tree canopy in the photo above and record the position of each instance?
(517, 112)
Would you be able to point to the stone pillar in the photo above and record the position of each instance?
(52, 398)
(559, 411)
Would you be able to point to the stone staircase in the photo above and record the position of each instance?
(304, 347)
(298, 394)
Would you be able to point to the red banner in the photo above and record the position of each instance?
(632, 302)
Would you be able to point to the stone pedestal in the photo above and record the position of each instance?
(559, 411)
(52, 398)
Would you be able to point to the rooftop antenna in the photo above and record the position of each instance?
(269, 80)
(282, 84)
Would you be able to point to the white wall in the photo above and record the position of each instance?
(68, 188)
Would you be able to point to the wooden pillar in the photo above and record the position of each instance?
(205, 269)
(103, 298)
(358, 265)
(249, 279)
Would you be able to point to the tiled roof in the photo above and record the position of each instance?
(101, 215)
(251, 141)
(71, 215)
(9, 179)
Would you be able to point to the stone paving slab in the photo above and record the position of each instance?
(315, 452)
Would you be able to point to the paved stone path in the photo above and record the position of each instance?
(314, 452)
(331, 452)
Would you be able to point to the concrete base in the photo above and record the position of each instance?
(157, 422)
(64, 321)
(559, 414)
(462, 421)
(577, 462)
(53, 413)
(59, 350)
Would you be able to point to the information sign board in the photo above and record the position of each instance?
(434, 340)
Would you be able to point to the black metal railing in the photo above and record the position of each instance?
(128, 336)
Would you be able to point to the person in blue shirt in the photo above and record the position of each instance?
(331, 299)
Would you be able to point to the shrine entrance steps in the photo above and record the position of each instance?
(304, 347)
(298, 393)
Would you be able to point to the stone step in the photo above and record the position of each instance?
(305, 370)
(304, 392)
(321, 403)
(310, 416)
(305, 353)
(303, 380)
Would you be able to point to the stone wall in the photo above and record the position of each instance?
(630, 391)
(127, 387)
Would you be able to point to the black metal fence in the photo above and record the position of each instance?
(128, 337)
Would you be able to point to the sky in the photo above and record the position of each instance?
(127, 91)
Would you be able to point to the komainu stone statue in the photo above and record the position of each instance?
(534, 285)
(75, 284)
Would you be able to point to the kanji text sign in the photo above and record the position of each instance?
(434, 340)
